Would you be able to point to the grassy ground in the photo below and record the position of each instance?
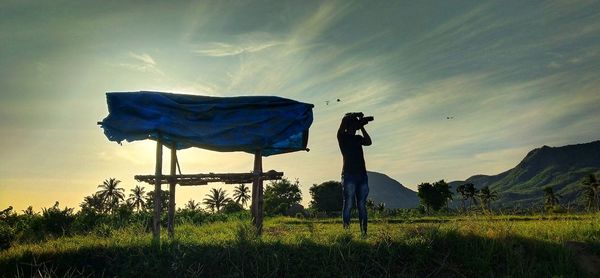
(416, 247)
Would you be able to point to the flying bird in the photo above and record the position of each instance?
(327, 101)
(450, 118)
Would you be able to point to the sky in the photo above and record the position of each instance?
(515, 75)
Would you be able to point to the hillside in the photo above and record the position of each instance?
(383, 189)
(563, 168)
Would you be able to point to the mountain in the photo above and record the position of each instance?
(563, 168)
(383, 189)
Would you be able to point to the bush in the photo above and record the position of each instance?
(232, 207)
(57, 222)
(7, 236)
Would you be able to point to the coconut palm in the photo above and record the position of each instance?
(241, 194)
(380, 207)
(550, 198)
(216, 199)
(471, 193)
(136, 198)
(487, 196)
(463, 194)
(592, 192)
(192, 205)
(110, 193)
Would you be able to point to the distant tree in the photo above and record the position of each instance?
(216, 199)
(327, 196)
(94, 203)
(164, 200)
(192, 205)
(591, 192)
(280, 195)
(370, 204)
(471, 193)
(434, 196)
(550, 198)
(380, 207)
(425, 192)
(463, 194)
(136, 198)
(444, 193)
(29, 211)
(111, 194)
(241, 194)
(232, 207)
(487, 196)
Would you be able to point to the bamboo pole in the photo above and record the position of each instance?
(257, 194)
(157, 208)
(171, 213)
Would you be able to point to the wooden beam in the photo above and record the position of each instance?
(202, 179)
(157, 191)
(171, 213)
(257, 193)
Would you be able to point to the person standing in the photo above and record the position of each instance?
(355, 184)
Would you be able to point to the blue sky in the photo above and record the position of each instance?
(515, 75)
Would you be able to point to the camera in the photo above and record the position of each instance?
(359, 118)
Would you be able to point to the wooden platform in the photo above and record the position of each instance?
(203, 179)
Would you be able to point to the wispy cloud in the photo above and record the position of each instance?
(223, 49)
(143, 63)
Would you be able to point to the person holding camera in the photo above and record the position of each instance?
(355, 185)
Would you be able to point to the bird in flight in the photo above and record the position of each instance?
(450, 118)
(327, 101)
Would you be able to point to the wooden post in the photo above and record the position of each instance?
(257, 194)
(171, 213)
(157, 179)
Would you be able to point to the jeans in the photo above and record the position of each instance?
(355, 188)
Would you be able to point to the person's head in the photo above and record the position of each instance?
(351, 125)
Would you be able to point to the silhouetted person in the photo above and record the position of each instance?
(355, 185)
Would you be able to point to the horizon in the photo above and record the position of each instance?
(456, 89)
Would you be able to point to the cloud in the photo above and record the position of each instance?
(223, 49)
(143, 63)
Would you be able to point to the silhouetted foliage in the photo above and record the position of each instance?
(281, 195)
(241, 194)
(111, 194)
(327, 196)
(591, 193)
(434, 196)
(551, 199)
(164, 200)
(487, 196)
(136, 198)
(216, 199)
(232, 207)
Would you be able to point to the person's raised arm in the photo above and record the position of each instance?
(366, 138)
(342, 128)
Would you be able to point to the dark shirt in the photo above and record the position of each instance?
(354, 159)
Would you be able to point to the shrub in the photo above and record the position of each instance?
(7, 235)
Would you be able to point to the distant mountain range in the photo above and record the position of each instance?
(383, 189)
(563, 168)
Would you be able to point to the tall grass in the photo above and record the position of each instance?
(454, 247)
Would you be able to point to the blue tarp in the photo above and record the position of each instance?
(273, 125)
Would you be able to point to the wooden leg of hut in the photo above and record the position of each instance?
(171, 213)
(257, 193)
(157, 180)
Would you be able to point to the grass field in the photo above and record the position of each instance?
(517, 246)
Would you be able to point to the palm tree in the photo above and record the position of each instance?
(550, 198)
(592, 192)
(471, 193)
(241, 194)
(192, 205)
(136, 198)
(216, 199)
(110, 193)
(487, 196)
(461, 189)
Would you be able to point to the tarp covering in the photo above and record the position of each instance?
(273, 125)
